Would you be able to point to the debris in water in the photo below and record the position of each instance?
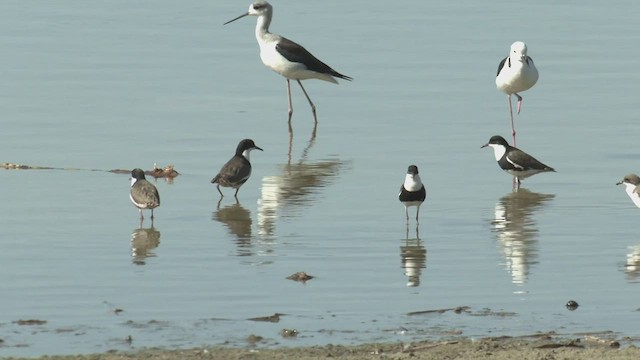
(300, 276)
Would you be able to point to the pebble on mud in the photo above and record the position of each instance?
(254, 339)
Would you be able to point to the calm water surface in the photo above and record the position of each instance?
(125, 84)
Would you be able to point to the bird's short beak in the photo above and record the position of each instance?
(259, 148)
(620, 182)
(484, 146)
(239, 17)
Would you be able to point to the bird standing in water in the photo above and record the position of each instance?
(516, 73)
(237, 170)
(514, 161)
(143, 194)
(412, 191)
(286, 57)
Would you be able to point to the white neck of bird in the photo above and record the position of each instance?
(246, 154)
(262, 26)
(630, 189)
(412, 182)
(498, 151)
(133, 180)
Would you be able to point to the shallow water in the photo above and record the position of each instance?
(121, 85)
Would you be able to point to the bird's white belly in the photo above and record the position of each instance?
(517, 78)
(523, 174)
(272, 59)
(411, 184)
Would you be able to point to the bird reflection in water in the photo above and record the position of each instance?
(295, 186)
(517, 231)
(414, 258)
(632, 264)
(237, 219)
(143, 243)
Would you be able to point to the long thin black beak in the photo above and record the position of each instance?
(621, 182)
(239, 17)
(259, 148)
(484, 146)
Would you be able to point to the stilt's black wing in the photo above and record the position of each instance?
(501, 65)
(296, 53)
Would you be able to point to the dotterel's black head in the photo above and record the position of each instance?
(496, 140)
(246, 144)
(137, 174)
(413, 170)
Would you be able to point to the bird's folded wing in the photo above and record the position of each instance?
(298, 54)
(236, 172)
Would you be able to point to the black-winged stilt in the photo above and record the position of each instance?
(286, 57)
(516, 73)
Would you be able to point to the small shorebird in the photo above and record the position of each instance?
(515, 161)
(412, 191)
(144, 195)
(516, 73)
(238, 169)
(631, 183)
(286, 57)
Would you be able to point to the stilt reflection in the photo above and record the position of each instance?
(517, 230)
(296, 185)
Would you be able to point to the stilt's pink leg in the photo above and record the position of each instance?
(289, 97)
(513, 128)
(519, 102)
(313, 107)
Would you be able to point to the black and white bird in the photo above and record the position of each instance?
(238, 169)
(412, 191)
(516, 73)
(632, 187)
(515, 161)
(287, 58)
(144, 195)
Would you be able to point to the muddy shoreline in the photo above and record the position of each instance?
(542, 346)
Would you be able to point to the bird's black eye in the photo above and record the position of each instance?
(258, 6)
